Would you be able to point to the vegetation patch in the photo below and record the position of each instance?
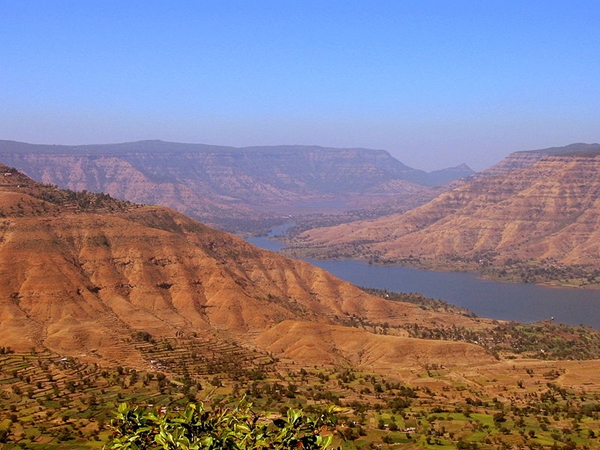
(542, 340)
(51, 401)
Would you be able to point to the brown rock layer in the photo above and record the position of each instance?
(82, 272)
(549, 209)
(217, 183)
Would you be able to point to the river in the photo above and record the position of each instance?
(504, 301)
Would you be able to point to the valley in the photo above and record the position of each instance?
(286, 225)
(104, 301)
(243, 190)
(485, 297)
(531, 218)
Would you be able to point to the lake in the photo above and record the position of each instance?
(505, 301)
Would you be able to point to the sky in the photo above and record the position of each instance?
(435, 83)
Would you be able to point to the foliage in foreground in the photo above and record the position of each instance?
(197, 428)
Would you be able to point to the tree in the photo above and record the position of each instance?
(4, 435)
(197, 428)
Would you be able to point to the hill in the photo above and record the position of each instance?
(231, 187)
(532, 217)
(104, 301)
(82, 273)
(526, 158)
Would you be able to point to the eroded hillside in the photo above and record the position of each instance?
(538, 222)
(82, 273)
(233, 187)
(104, 302)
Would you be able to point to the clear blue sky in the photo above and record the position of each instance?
(435, 83)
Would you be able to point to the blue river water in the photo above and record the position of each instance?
(505, 301)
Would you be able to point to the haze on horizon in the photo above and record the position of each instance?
(435, 83)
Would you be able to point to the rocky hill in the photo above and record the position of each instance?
(533, 217)
(82, 273)
(524, 159)
(225, 184)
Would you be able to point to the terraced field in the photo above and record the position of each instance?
(49, 401)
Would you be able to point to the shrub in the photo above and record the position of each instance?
(198, 428)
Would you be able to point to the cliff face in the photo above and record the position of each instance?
(524, 159)
(80, 273)
(210, 182)
(530, 207)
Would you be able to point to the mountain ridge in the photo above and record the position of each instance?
(533, 213)
(220, 184)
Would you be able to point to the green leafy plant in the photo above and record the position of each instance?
(197, 428)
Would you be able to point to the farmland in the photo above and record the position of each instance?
(49, 401)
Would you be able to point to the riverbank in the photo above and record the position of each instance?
(542, 273)
(477, 292)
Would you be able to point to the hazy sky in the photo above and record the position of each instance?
(436, 83)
